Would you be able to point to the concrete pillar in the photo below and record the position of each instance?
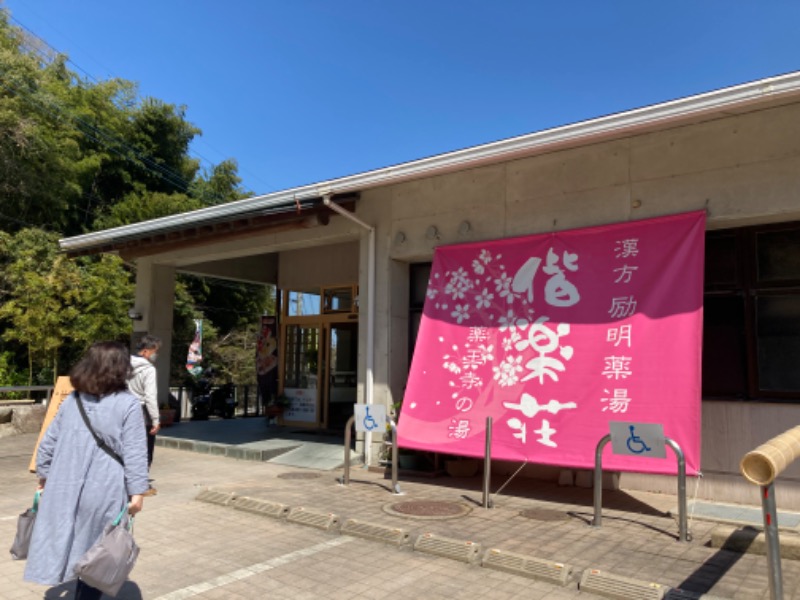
(155, 297)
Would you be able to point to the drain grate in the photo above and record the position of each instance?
(428, 509)
(261, 507)
(380, 533)
(215, 497)
(325, 521)
(620, 588)
(299, 475)
(449, 548)
(527, 566)
(544, 514)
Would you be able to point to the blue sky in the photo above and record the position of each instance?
(299, 91)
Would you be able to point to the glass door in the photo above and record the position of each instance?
(342, 376)
(301, 374)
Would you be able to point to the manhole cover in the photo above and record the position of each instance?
(544, 514)
(299, 475)
(428, 509)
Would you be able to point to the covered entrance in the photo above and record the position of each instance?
(319, 356)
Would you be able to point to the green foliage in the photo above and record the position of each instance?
(49, 300)
(221, 185)
(136, 207)
(77, 156)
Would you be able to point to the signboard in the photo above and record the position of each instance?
(638, 439)
(303, 405)
(62, 389)
(554, 336)
(370, 417)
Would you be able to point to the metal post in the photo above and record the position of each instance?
(683, 530)
(598, 481)
(773, 544)
(347, 438)
(487, 464)
(395, 485)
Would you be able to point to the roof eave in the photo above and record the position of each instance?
(718, 102)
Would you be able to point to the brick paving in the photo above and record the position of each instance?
(189, 543)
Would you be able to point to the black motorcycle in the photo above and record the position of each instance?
(219, 401)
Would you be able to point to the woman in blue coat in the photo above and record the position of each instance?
(84, 487)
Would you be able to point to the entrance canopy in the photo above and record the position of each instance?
(555, 335)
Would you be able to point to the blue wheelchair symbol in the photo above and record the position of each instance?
(369, 421)
(636, 444)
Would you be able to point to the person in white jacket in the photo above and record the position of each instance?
(143, 385)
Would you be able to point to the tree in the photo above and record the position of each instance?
(222, 184)
(41, 289)
(136, 207)
(56, 307)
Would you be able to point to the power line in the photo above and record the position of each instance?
(55, 51)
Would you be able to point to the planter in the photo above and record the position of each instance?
(166, 416)
(273, 411)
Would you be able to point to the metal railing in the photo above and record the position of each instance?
(11, 389)
(683, 530)
(348, 429)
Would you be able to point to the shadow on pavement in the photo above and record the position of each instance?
(543, 491)
(715, 567)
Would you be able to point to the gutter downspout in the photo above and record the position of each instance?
(370, 358)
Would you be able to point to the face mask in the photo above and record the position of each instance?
(152, 358)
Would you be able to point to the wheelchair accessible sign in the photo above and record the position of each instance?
(638, 439)
(370, 417)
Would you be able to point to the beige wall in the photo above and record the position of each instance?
(310, 268)
(743, 170)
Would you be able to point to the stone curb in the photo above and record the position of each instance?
(573, 582)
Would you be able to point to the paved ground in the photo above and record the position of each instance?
(202, 550)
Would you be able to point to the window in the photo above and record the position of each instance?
(419, 273)
(751, 347)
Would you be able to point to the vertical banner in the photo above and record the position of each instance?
(556, 335)
(195, 354)
(267, 359)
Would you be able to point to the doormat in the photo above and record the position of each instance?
(733, 513)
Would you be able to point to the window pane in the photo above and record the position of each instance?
(721, 261)
(778, 327)
(302, 351)
(778, 255)
(339, 299)
(724, 355)
(303, 303)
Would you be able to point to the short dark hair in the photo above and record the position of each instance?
(148, 342)
(103, 370)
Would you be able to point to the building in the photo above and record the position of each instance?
(359, 248)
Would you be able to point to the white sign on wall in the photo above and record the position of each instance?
(303, 405)
(370, 417)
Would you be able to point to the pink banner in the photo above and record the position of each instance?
(555, 335)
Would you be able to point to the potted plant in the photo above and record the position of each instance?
(277, 405)
(166, 415)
